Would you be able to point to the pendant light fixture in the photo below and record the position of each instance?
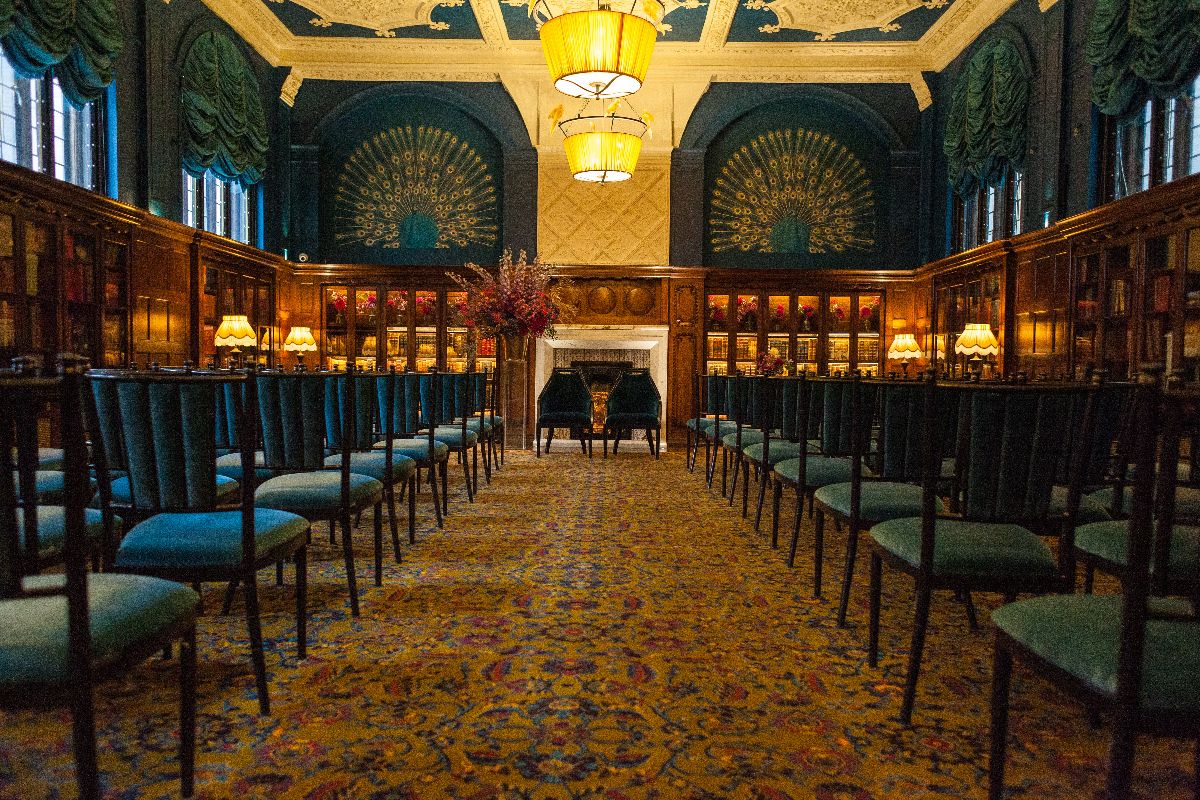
(598, 53)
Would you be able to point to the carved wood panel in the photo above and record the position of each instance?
(683, 351)
(614, 301)
(160, 287)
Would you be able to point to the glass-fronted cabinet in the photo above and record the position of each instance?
(821, 333)
(402, 328)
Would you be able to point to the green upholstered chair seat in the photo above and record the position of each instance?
(48, 458)
(1090, 510)
(820, 470)
(479, 426)
(749, 436)
(373, 465)
(126, 612)
(230, 465)
(417, 449)
(1187, 502)
(880, 500)
(565, 419)
(1110, 541)
(317, 493)
(702, 424)
(226, 486)
(631, 420)
(452, 436)
(52, 529)
(49, 485)
(720, 429)
(972, 549)
(208, 540)
(781, 450)
(1081, 635)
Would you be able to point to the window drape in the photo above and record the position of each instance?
(1139, 48)
(987, 124)
(224, 127)
(78, 39)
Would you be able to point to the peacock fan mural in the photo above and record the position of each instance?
(416, 188)
(792, 191)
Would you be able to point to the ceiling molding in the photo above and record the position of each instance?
(261, 29)
(491, 22)
(954, 32)
(1046, 5)
(718, 22)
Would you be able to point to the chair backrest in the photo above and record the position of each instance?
(345, 391)
(565, 392)
(713, 398)
(635, 393)
(165, 424)
(788, 409)
(1013, 440)
(1172, 413)
(431, 413)
(836, 423)
(904, 423)
(292, 409)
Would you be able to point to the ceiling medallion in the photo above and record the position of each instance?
(828, 18)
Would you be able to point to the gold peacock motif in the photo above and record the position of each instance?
(792, 191)
(415, 188)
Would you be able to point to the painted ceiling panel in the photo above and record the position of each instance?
(835, 20)
(682, 22)
(407, 19)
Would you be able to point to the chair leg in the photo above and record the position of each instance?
(1120, 755)
(791, 562)
(437, 503)
(348, 556)
(650, 442)
(972, 618)
(1001, 680)
(848, 575)
(920, 626)
(467, 477)
(487, 461)
(776, 497)
(737, 469)
(445, 474)
(725, 470)
(818, 547)
(83, 738)
(606, 441)
(391, 500)
(378, 543)
(537, 441)
(250, 590)
(230, 593)
(762, 496)
(745, 487)
(301, 603)
(876, 590)
(412, 512)
(332, 531)
(1089, 578)
(187, 712)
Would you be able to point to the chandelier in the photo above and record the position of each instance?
(598, 54)
(603, 148)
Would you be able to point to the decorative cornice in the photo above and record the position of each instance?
(291, 87)
(491, 23)
(717, 23)
(956, 29)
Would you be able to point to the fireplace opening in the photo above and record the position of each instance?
(600, 377)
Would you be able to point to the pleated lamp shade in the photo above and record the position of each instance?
(904, 348)
(599, 54)
(235, 331)
(603, 149)
(977, 340)
(300, 340)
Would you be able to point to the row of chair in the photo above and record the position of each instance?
(965, 487)
(566, 402)
(215, 476)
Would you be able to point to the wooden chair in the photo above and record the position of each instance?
(1009, 444)
(400, 392)
(442, 394)
(1134, 655)
(61, 634)
(633, 404)
(564, 402)
(167, 424)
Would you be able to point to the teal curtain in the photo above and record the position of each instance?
(224, 127)
(1139, 48)
(987, 124)
(78, 39)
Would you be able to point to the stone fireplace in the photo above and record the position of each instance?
(603, 352)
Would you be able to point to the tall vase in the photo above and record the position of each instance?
(514, 383)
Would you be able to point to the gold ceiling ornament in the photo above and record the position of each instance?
(598, 53)
(828, 18)
(602, 148)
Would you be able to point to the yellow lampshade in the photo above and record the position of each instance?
(904, 348)
(300, 340)
(235, 331)
(603, 149)
(977, 340)
(599, 54)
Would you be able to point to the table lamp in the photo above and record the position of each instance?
(976, 341)
(235, 332)
(300, 341)
(904, 349)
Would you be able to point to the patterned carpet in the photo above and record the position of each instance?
(587, 630)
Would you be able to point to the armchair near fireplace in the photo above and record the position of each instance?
(634, 404)
(564, 402)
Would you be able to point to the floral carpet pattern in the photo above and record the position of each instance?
(587, 630)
